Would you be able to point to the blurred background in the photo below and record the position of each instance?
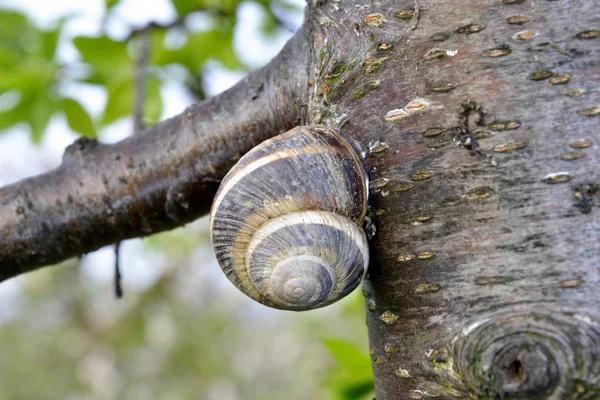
(181, 331)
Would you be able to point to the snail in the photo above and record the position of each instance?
(286, 221)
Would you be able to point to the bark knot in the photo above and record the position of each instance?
(529, 353)
(76, 151)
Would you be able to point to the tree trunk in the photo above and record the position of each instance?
(479, 121)
(487, 252)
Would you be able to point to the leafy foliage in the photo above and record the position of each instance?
(352, 377)
(28, 67)
(31, 72)
(79, 120)
(110, 3)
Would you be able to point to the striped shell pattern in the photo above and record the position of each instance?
(286, 221)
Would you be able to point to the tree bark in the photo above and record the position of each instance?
(486, 260)
(480, 124)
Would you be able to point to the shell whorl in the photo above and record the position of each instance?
(285, 223)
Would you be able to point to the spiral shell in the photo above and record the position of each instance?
(286, 221)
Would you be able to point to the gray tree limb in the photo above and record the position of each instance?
(155, 181)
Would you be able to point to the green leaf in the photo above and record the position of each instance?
(19, 37)
(108, 4)
(354, 305)
(215, 44)
(40, 114)
(49, 43)
(13, 27)
(357, 390)
(78, 118)
(349, 356)
(220, 47)
(269, 23)
(353, 380)
(35, 109)
(101, 50)
(108, 58)
(19, 113)
(32, 75)
(27, 66)
(9, 58)
(185, 6)
(157, 44)
(49, 40)
(121, 101)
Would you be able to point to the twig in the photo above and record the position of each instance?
(141, 67)
(118, 288)
(140, 81)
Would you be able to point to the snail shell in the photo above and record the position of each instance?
(286, 221)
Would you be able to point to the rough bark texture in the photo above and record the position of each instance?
(486, 260)
(480, 123)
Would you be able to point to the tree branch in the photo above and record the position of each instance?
(161, 179)
(141, 67)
